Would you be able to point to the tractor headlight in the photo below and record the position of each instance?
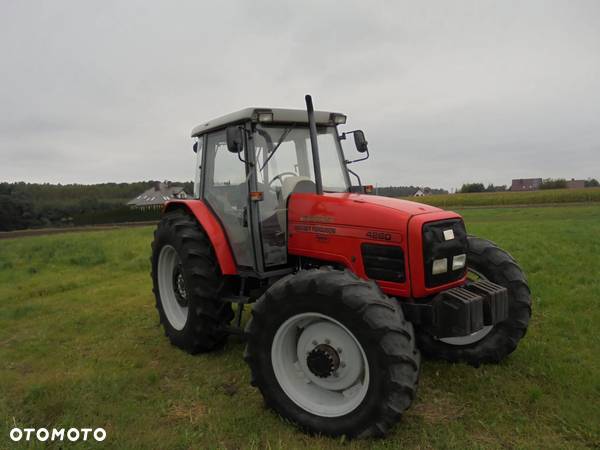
(459, 261)
(439, 266)
(444, 251)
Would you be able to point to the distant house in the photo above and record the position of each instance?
(156, 196)
(575, 184)
(420, 192)
(526, 184)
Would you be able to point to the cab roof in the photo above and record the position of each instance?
(280, 115)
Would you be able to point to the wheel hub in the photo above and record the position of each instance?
(179, 286)
(323, 361)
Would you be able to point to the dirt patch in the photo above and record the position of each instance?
(438, 407)
(187, 412)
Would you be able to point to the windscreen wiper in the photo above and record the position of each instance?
(281, 139)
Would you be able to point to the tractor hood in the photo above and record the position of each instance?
(357, 210)
(404, 206)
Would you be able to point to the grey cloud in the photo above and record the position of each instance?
(446, 92)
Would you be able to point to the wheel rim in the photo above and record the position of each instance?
(171, 287)
(320, 365)
(478, 335)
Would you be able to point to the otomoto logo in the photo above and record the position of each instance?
(57, 434)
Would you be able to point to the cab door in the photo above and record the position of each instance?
(225, 190)
(282, 168)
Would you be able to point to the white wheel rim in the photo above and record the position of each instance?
(473, 337)
(327, 396)
(168, 260)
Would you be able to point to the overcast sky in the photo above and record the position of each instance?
(446, 92)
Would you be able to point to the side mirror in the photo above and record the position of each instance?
(195, 147)
(361, 143)
(235, 143)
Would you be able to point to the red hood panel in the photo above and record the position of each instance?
(411, 208)
(355, 209)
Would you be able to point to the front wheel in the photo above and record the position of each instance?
(492, 343)
(331, 353)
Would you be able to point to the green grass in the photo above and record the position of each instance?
(80, 345)
(554, 196)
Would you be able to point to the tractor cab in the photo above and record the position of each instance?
(248, 165)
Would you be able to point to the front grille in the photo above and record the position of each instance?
(383, 262)
(436, 246)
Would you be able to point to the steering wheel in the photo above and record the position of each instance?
(278, 177)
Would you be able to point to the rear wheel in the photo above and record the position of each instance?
(187, 285)
(492, 343)
(331, 353)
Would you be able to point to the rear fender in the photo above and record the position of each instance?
(213, 228)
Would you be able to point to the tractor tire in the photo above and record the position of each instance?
(332, 354)
(495, 342)
(187, 283)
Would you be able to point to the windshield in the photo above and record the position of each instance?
(284, 151)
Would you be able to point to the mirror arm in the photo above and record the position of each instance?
(357, 160)
(343, 136)
(356, 175)
(245, 162)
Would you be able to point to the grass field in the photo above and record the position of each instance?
(553, 196)
(80, 346)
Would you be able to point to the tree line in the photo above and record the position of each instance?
(547, 183)
(35, 205)
(406, 191)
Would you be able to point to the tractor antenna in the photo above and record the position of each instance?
(312, 127)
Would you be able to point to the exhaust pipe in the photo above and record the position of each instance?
(312, 127)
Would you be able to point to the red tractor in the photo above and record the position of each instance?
(347, 288)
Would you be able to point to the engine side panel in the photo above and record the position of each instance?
(333, 227)
(213, 229)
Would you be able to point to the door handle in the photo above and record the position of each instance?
(245, 217)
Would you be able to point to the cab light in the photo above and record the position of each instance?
(256, 196)
(338, 119)
(265, 117)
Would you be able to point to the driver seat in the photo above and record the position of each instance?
(290, 185)
(296, 184)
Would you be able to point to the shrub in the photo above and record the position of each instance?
(552, 183)
(472, 187)
(591, 182)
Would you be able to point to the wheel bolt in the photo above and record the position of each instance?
(339, 350)
(342, 364)
(336, 375)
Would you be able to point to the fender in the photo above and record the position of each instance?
(214, 231)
